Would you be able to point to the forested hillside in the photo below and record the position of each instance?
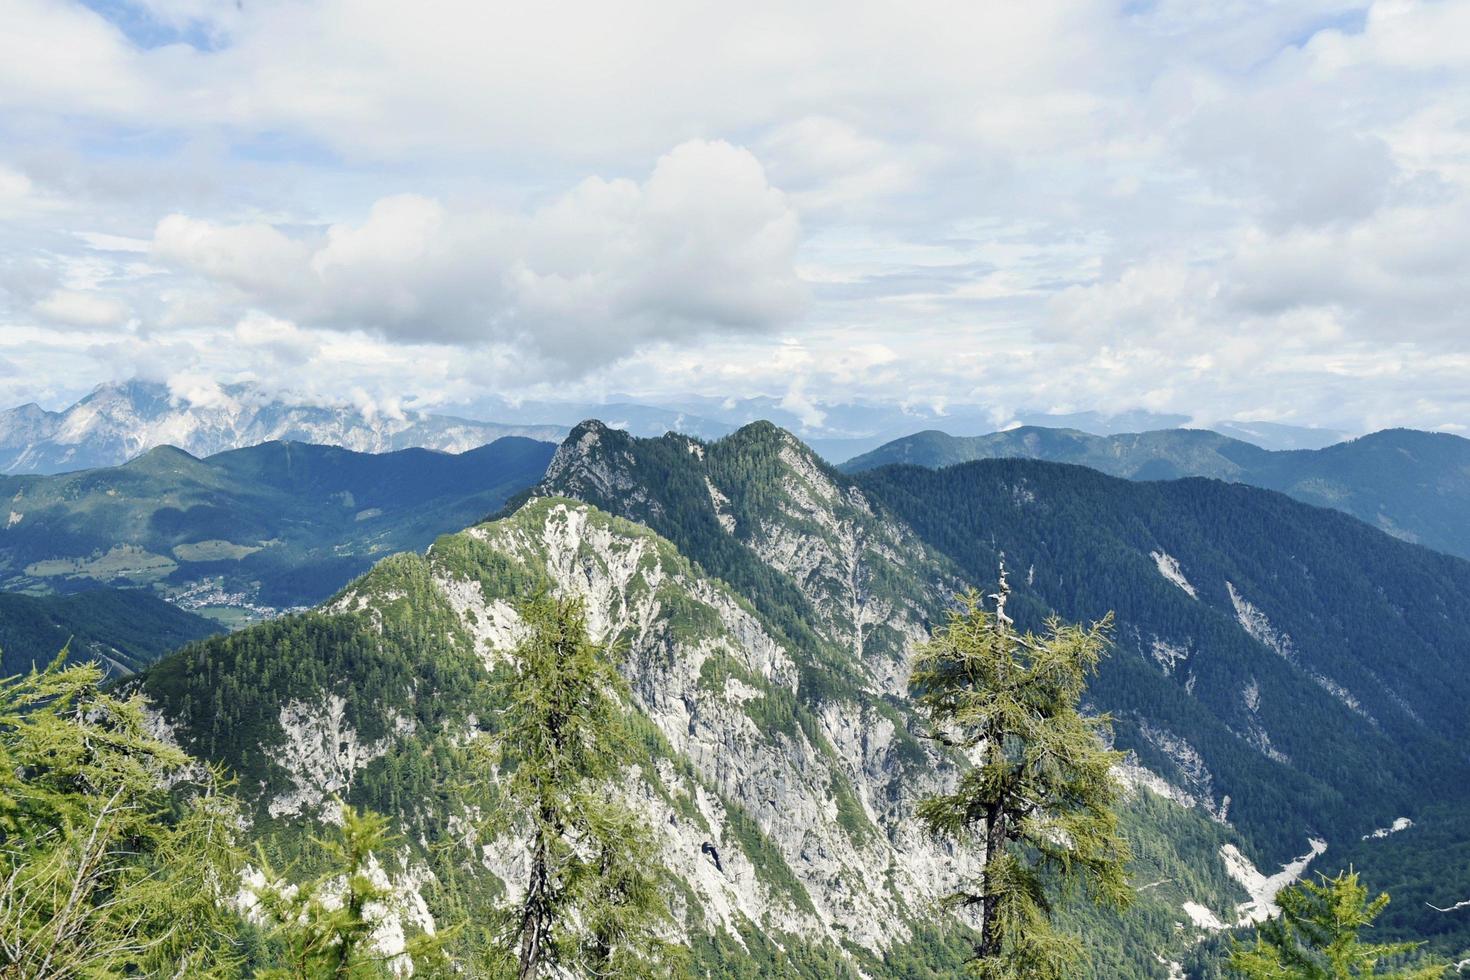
(1414, 485)
(244, 533)
(124, 629)
(1308, 667)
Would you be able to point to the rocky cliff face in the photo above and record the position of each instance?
(809, 810)
(762, 498)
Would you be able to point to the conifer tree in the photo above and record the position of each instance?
(1039, 796)
(590, 904)
(324, 929)
(116, 849)
(1316, 937)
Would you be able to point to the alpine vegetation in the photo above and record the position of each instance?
(1041, 796)
(589, 902)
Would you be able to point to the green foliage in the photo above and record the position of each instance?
(591, 903)
(123, 629)
(324, 929)
(104, 870)
(1041, 798)
(1385, 619)
(1316, 937)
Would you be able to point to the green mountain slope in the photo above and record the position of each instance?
(124, 629)
(1316, 695)
(783, 812)
(245, 532)
(1414, 485)
(1292, 659)
(1281, 674)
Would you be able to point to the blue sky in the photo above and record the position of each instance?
(1239, 209)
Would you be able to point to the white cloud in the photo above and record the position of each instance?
(704, 244)
(1252, 206)
(78, 308)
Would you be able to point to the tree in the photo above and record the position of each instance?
(591, 903)
(325, 929)
(1316, 937)
(1040, 795)
(115, 847)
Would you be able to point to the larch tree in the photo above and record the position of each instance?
(1316, 937)
(1036, 791)
(591, 903)
(328, 928)
(116, 849)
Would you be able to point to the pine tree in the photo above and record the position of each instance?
(1040, 796)
(1316, 937)
(591, 903)
(115, 848)
(324, 929)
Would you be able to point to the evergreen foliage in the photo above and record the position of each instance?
(590, 903)
(1385, 619)
(324, 929)
(115, 848)
(1041, 797)
(1316, 937)
(123, 629)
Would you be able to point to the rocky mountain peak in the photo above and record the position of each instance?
(118, 421)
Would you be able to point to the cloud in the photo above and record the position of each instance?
(704, 244)
(1214, 209)
(76, 308)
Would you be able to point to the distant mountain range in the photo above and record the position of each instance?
(118, 422)
(1414, 485)
(245, 533)
(839, 431)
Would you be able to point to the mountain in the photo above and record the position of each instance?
(118, 422)
(1414, 485)
(1377, 625)
(1285, 680)
(124, 629)
(1276, 435)
(780, 784)
(245, 532)
(1304, 627)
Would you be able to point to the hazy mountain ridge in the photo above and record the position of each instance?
(118, 422)
(1414, 485)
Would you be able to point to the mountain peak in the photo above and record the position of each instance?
(120, 420)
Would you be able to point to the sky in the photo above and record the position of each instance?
(1229, 210)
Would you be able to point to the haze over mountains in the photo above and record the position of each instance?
(118, 421)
